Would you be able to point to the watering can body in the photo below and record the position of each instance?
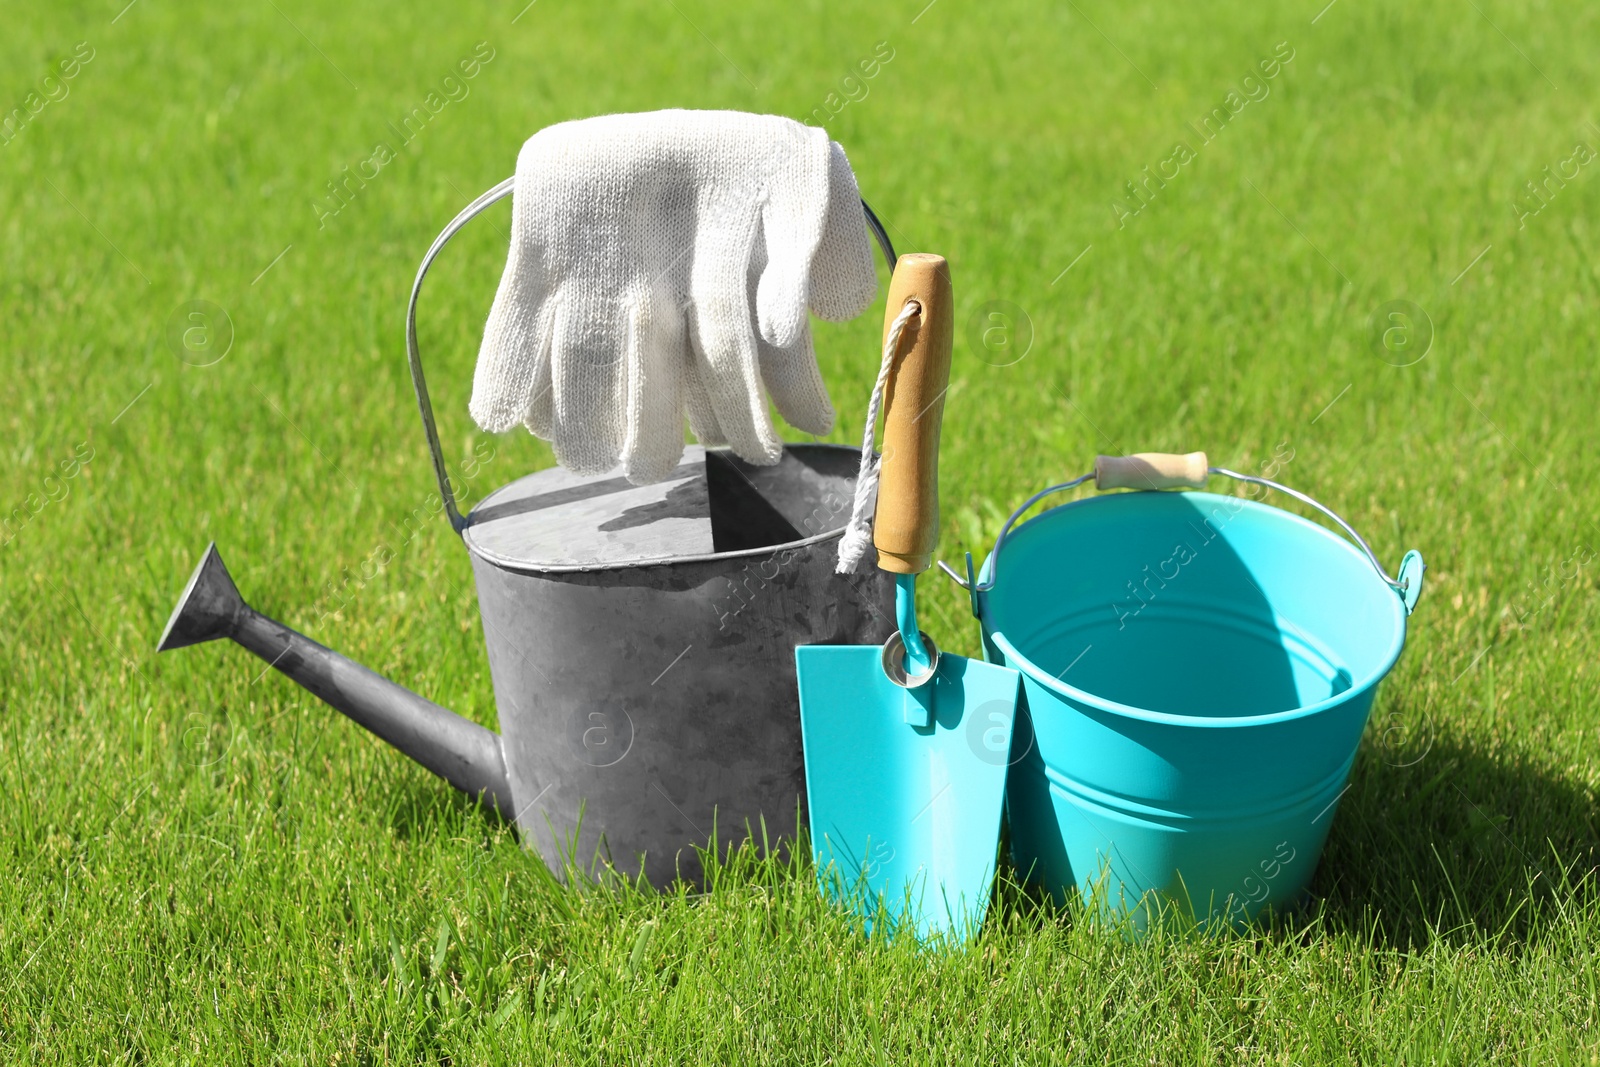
(647, 706)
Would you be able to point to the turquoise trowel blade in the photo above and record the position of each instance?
(906, 815)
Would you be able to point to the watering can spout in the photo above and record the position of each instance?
(463, 753)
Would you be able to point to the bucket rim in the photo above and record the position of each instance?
(524, 567)
(1015, 659)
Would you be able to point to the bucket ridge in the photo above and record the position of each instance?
(1271, 809)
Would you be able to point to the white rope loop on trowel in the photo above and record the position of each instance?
(858, 533)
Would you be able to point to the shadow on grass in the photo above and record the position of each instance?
(1461, 846)
(419, 808)
(1458, 845)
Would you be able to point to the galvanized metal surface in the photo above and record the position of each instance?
(556, 520)
(659, 701)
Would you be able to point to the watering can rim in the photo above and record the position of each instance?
(1020, 662)
(524, 567)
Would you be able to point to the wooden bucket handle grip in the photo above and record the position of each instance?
(1151, 470)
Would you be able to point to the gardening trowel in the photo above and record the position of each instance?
(906, 748)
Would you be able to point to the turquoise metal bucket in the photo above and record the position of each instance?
(1198, 670)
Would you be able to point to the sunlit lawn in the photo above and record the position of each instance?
(206, 865)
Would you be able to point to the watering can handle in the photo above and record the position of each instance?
(420, 383)
(1167, 470)
(905, 527)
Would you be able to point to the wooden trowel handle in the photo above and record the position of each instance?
(906, 526)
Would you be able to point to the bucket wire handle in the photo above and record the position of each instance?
(419, 381)
(1151, 470)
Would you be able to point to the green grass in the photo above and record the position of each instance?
(205, 865)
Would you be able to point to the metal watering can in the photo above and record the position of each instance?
(640, 640)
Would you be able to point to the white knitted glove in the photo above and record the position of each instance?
(665, 261)
(843, 284)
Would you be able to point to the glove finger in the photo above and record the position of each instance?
(514, 356)
(792, 378)
(654, 368)
(724, 344)
(844, 279)
(697, 401)
(587, 368)
(541, 420)
(722, 331)
(796, 385)
(792, 218)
